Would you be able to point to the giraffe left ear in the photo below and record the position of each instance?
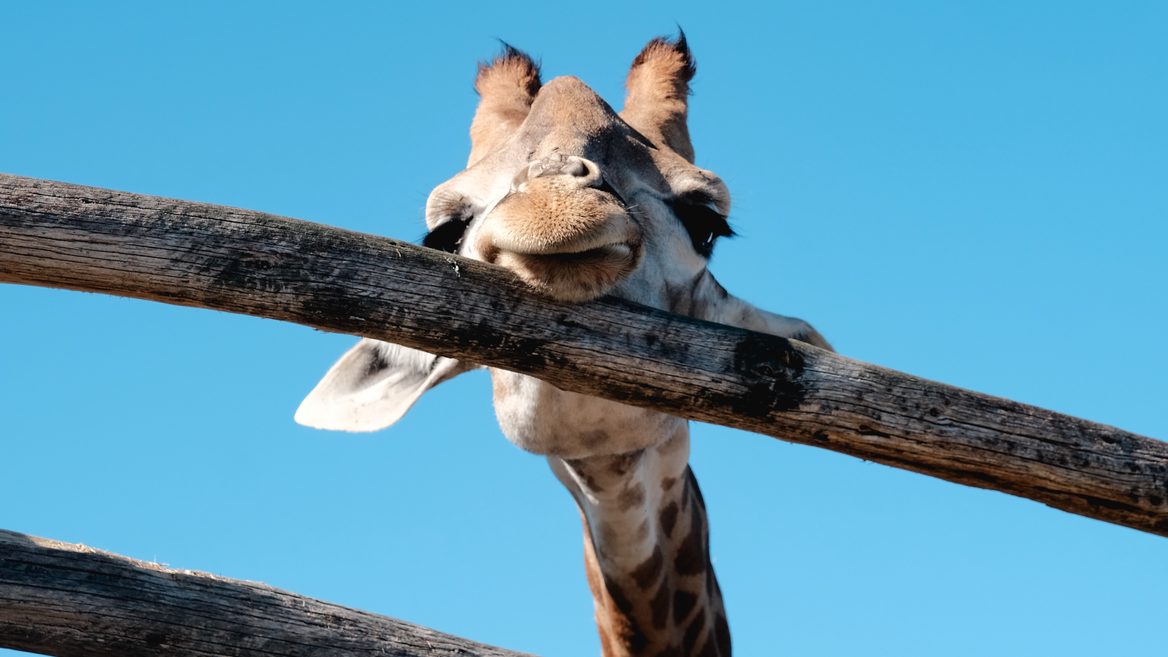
(507, 86)
(373, 385)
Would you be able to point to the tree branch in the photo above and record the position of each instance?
(241, 261)
(63, 599)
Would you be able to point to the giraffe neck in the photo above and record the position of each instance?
(646, 552)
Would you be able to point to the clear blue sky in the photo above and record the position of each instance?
(972, 192)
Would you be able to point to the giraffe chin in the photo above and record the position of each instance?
(573, 277)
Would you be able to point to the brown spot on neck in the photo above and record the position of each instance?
(648, 572)
(668, 519)
(669, 603)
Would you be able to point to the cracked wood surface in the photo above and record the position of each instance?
(194, 254)
(71, 600)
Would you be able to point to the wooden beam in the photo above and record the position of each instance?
(241, 261)
(64, 599)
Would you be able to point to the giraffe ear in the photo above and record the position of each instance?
(506, 86)
(373, 385)
(656, 103)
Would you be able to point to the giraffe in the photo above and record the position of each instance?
(579, 202)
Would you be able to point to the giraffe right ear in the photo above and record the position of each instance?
(657, 102)
(373, 385)
(506, 86)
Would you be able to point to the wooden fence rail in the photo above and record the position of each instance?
(82, 238)
(63, 599)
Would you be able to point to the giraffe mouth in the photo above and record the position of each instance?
(588, 256)
(571, 244)
(574, 276)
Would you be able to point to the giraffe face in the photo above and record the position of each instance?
(578, 204)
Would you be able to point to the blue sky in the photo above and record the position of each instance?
(971, 192)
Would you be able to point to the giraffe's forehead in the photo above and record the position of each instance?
(567, 117)
(568, 108)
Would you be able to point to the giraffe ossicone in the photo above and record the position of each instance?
(580, 201)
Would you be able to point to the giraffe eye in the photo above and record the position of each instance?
(701, 220)
(447, 236)
(454, 218)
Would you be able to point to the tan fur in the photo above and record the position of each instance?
(570, 243)
(657, 94)
(666, 600)
(506, 88)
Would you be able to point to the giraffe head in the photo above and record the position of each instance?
(575, 199)
(579, 202)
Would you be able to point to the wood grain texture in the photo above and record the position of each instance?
(194, 254)
(71, 600)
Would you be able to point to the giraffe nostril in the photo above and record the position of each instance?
(585, 172)
(575, 167)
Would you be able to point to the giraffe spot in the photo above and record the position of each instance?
(618, 596)
(632, 496)
(670, 651)
(668, 483)
(578, 468)
(710, 649)
(646, 573)
(692, 481)
(660, 605)
(711, 584)
(633, 637)
(722, 631)
(608, 536)
(625, 635)
(683, 603)
(621, 465)
(668, 518)
(637, 640)
(691, 554)
(593, 438)
(693, 632)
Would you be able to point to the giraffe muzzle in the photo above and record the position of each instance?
(567, 234)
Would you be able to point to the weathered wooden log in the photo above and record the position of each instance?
(64, 599)
(241, 261)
